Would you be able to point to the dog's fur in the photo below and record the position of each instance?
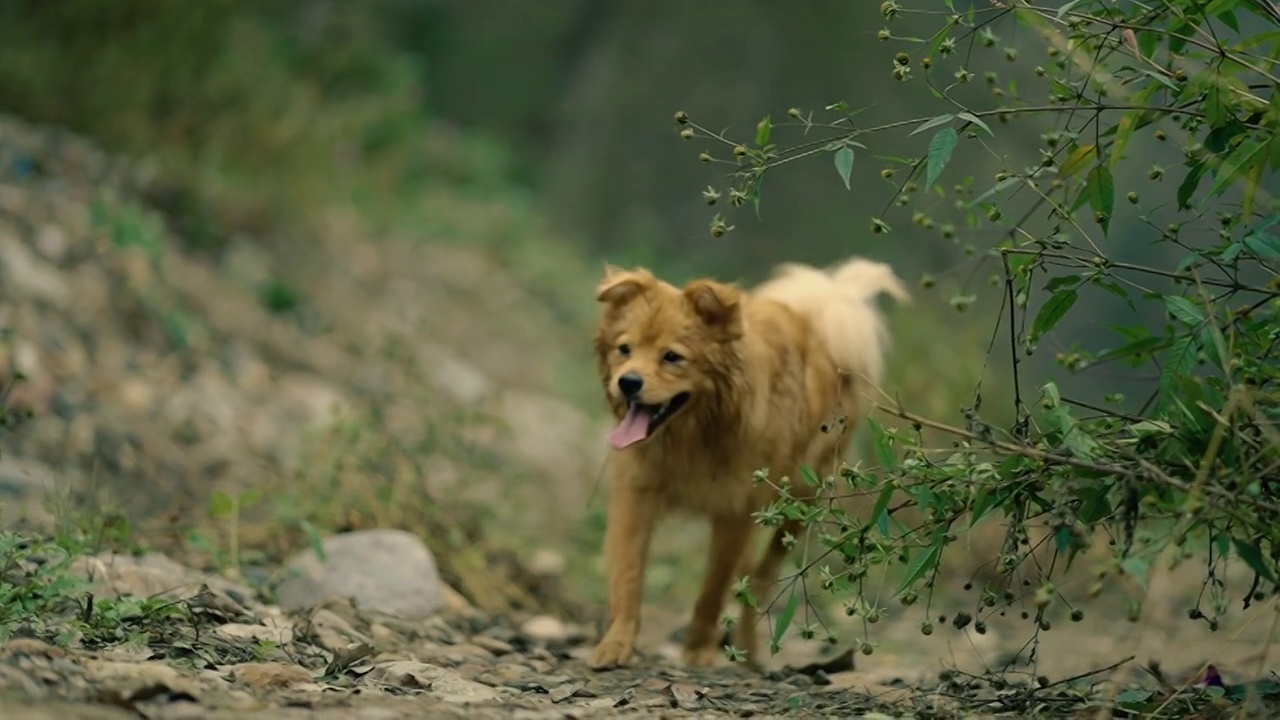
(772, 378)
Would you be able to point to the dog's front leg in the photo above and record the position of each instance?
(729, 539)
(628, 530)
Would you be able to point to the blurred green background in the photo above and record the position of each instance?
(538, 135)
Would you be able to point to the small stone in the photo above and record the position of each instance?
(29, 276)
(506, 674)
(264, 676)
(51, 242)
(493, 645)
(539, 666)
(547, 563)
(330, 631)
(275, 632)
(126, 679)
(383, 635)
(465, 383)
(563, 692)
(30, 647)
(544, 628)
(686, 697)
(443, 684)
(387, 571)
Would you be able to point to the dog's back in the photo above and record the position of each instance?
(840, 303)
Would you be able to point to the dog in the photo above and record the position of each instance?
(711, 383)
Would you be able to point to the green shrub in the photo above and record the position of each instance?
(1192, 468)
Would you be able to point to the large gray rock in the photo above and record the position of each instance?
(387, 571)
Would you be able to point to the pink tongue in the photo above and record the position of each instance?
(632, 429)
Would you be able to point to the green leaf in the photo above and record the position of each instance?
(1252, 178)
(1178, 364)
(1234, 165)
(221, 504)
(1138, 568)
(1224, 10)
(1095, 504)
(1133, 697)
(1052, 312)
(1114, 289)
(1078, 441)
(1101, 190)
(1062, 539)
(1187, 188)
(315, 538)
(878, 515)
(933, 123)
(1265, 245)
(1182, 31)
(1219, 139)
(809, 476)
(1137, 349)
(883, 445)
(844, 165)
(1147, 428)
(1077, 160)
(1269, 689)
(940, 148)
(999, 187)
(1183, 309)
(970, 117)
(1066, 7)
(924, 562)
(1063, 281)
(763, 130)
(1147, 42)
(1217, 107)
(785, 617)
(1252, 557)
(250, 497)
(1132, 120)
(987, 500)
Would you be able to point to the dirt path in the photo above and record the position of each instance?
(337, 662)
(149, 638)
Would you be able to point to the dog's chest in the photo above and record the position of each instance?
(713, 493)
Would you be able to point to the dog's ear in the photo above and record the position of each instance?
(718, 305)
(619, 286)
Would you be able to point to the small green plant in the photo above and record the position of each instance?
(226, 509)
(1190, 470)
(278, 297)
(132, 227)
(35, 582)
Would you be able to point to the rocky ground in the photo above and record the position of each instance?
(370, 632)
(183, 430)
(205, 647)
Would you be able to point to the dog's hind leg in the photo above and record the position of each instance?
(730, 538)
(763, 580)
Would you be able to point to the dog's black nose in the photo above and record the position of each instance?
(630, 385)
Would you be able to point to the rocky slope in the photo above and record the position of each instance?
(353, 384)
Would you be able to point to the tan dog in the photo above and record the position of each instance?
(711, 383)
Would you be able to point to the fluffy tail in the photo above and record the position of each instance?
(841, 304)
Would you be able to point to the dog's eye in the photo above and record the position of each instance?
(624, 349)
(671, 357)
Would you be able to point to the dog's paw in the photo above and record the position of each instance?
(702, 657)
(611, 653)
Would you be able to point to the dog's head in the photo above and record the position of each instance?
(660, 347)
